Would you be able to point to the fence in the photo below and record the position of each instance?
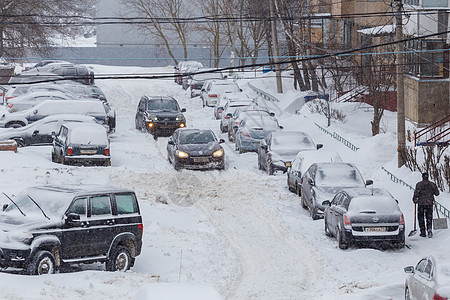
(339, 138)
(263, 94)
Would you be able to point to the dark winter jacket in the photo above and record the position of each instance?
(425, 192)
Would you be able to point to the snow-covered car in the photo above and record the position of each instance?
(17, 90)
(186, 78)
(230, 107)
(323, 180)
(224, 98)
(277, 150)
(369, 216)
(41, 132)
(239, 114)
(195, 149)
(98, 109)
(302, 161)
(427, 280)
(82, 144)
(28, 100)
(46, 227)
(160, 116)
(198, 80)
(216, 88)
(180, 69)
(85, 91)
(252, 130)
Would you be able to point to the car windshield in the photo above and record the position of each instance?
(196, 137)
(338, 175)
(291, 142)
(163, 105)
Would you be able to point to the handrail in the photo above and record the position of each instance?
(339, 138)
(395, 179)
(263, 94)
(429, 128)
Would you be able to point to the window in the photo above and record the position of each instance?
(78, 207)
(427, 58)
(126, 204)
(100, 205)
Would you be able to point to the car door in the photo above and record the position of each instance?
(340, 209)
(307, 185)
(102, 223)
(171, 146)
(140, 113)
(59, 141)
(76, 236)
(424, 279)
(42, 135)
(331, 214)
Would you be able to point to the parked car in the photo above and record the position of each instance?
(360, 215)
(427, 281)
(229, 109)
(50, 226)
(195, 149)
(216, 88)
(78, 73)
(251, 131)
(277, 150)
(81, 144)
(30, 77)
(41, 132)
(98, 109)
(85, 91)
(247, 112)
(186, 78)
(18, 90)
(302, 161)
(323, 180)
(180, 69)
(224, 98)
(28, 100)
(160, 116)
(199, 79)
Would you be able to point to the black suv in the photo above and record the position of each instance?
(45, 227)
(160, 116)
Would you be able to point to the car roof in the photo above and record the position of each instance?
(162, 98)
(357, 192)
(72, 125)
(73, 190)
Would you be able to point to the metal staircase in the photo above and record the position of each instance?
(436, 133)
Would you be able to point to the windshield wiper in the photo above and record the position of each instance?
(39, 207)
(15, 204)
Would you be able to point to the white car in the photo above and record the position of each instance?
(224, 98)
(216, 88)
(239, 114)
(422, 281)
(29, 100)
(229, 109)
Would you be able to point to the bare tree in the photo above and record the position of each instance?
(26, 24)
(173, 31)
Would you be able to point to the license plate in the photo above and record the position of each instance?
(165, 126)
(88, 151)
(375, 229)
(201, 159)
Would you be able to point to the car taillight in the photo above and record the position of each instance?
(212, 95)
(10, 97)
(243, 133)
(10, 105)
(69, 151)
(346, 220)
(107, 151)
(402, 220)
(141, 227)
(192, 86)
(237, 123)
(439, 297)
(227, 117)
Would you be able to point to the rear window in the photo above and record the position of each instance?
(93, 135)
(126, 204)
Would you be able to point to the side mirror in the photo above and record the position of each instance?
(221, 141)
(409, 269)
(326, 203)
(229, 115)
(281, 127)
(272, 114)
(183, 110)
(71, 218)
(240, 90)
(5, 206)
(35, 111)
(369, 182)
(311, 181)
(53, 134)
(35, 132)
(318, 146)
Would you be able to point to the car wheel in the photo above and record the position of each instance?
(270, 169)
(61, 159)
(313, 214)
(176, 165)
(108, 163)
(342, 245)
(407, 295)
(42, 263)
(298, 190)
(53, 157)
(327, 231)
(14, 125)
(155, 137)
(303, 201)
(241, 150)
(121, 260)
(20, 142)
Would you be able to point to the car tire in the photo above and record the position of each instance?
(20, 143)
(270, 169)
(120, 260)
(108, 163)
(53, 157)
(303, 201)
(290, 188)
(42, 263)
(298, 190)
(313, 214)
(14, 125)
(327, 231)
(407, 295)
(241, 150)
(155, 136)
(340, 239)
(176, 165)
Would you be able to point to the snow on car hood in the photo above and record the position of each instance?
(195, 149)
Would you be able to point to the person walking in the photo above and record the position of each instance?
(424, 198)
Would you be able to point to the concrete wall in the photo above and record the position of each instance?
(426, 101)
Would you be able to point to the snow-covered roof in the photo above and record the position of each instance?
(379, 30)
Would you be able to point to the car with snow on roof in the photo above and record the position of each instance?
(46, 227)
(365, 216)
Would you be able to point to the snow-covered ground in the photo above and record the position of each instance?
(238, 231)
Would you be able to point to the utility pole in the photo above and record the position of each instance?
(275, 47)
(401, 147)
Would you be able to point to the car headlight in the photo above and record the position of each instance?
(180, 118)
(182, 154)
(218, 153)
(152, 118)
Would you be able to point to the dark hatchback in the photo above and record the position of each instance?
(195, 149)
(160, 116)
(362, 215)
(46, 227)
